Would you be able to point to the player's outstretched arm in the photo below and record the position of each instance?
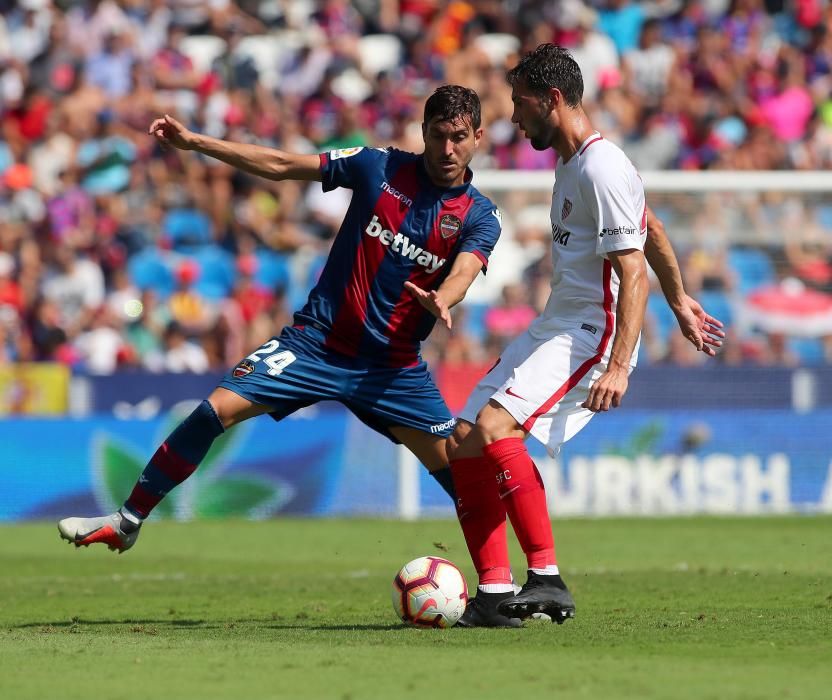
(452, 290)
(700, 328)
(609, 389)
(257, 160)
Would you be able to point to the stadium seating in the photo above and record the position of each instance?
(754, 268)
(150, 270)
(187, 228)
(272, 269)
(475, 320)
(718, 304)
(809, 350)
(663, 317)
(217, 272)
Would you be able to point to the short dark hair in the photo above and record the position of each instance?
(547, 67)
(449, 103)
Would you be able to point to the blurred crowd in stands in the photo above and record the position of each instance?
(116, 254)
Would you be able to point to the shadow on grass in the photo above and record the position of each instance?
(338, 628)
(268, 623)
(132, 621)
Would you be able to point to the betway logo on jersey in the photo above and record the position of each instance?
(618, 231)
(403, 198)
(401, 244)
(560, 235)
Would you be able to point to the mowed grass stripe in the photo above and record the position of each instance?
(687, 608)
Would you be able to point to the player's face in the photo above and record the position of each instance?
(449, 148)
(532, 114)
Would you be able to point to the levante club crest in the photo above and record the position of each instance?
(242, 369)
(449, 225)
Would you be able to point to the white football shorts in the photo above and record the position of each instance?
(542, 384)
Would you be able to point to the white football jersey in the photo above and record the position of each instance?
(598, 207)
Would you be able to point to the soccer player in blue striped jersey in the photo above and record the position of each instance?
(416, 235)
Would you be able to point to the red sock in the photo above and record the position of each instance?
(521, 491)
(483, 518)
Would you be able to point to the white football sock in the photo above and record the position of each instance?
(496, 588)
(550, 570)
(130, 516)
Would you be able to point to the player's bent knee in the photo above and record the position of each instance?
(232, 408)
(495, 423)
(461, 431)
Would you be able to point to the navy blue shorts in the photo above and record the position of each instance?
(294, 370)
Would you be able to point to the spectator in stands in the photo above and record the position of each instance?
(649, 67)
(593, 51)
(190, 310)
(178, 354)
(71, 211)
(48, 336)
(508, 319)
(110, 68)
(75, 284)
(702, 84)
(622, 20)
(101, 348)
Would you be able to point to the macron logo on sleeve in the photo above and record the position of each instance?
(403, 198)
(401, 244)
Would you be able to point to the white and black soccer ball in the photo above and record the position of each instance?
(430, 592)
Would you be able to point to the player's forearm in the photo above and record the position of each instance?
(662, 260)
(453, 289)
(632, 301)
(462, 275)
(257, 160)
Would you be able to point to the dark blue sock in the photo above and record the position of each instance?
(444, 479)
(176, 459)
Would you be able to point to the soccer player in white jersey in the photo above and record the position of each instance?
(575, 358)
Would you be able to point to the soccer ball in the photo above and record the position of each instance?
(430, 592)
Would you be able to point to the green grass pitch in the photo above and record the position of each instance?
(682, 608)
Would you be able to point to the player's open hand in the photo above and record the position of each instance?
(607, 391)
(432, 302)
(171, 134)
(700, 328)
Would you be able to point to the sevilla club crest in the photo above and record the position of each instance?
(449, 225)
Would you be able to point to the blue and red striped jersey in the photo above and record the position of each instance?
(399, 227)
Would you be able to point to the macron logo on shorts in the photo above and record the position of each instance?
(443, 426)
(401, 244)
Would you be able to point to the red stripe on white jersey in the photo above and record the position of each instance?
(595, 140)
(579, 374)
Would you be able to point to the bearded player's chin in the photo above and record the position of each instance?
(537, 143)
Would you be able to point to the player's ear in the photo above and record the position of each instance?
(553, 98)
(477, 136)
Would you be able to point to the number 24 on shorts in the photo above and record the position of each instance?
(276, 361)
